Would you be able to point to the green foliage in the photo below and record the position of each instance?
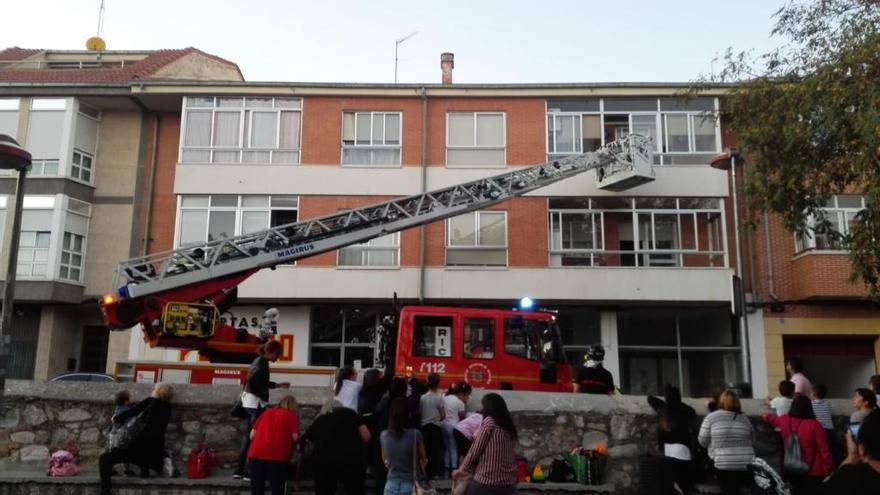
(807, 119)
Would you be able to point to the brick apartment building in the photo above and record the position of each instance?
(647, 272)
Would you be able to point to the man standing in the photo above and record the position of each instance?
(795, 369)
(592, 377)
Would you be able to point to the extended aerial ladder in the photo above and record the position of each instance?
(177, 296)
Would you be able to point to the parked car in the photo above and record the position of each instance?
(84, 377)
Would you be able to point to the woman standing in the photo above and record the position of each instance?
(273, 439)
(147, 448)
(255, 396)
(728, 434)
(456, 408)
(675, 435)
(347, 390)
(433, 412)
(864, 401)
(814, 446)
(491, 459)
(339, 436)
(398, 442)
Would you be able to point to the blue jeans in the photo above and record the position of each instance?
(398, 487)
(451, 455)
(253, 414)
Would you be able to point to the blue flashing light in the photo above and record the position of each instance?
(123, 292)
(526, 303)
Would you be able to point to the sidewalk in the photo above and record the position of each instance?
(32, 480)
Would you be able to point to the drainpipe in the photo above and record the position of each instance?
(423, 189)
(151, 182)
(771, 289)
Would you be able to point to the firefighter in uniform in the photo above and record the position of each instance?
(592, 377)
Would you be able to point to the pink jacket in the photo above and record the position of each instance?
(814, 444)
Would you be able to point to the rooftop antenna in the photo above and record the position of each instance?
(96, 43)
(396, 46)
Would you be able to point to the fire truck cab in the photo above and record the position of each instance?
(487, 348)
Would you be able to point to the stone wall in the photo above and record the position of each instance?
(37, 417)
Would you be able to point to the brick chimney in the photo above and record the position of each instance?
(446, 65)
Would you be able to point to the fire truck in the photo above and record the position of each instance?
(176, 297)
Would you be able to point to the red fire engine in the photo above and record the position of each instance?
(176, 297)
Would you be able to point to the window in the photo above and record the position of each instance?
(650, 232)
(522, 337)
(840, 213)
(475, 139)
(241, 130)
(72, 257)
(81, 166)
(477, 239)
(342, 335)
(210, 218)
(683, 133)
(9, 116)
(694, 349)
(479, 338)
(33, 254)
(45, 128)
(371, 138)
(379, 252)
(579, 328)
(432, 336)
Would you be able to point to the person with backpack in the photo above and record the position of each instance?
(728, 435)
(807, 459)
(402, 450)
(146, 444)
(675, 436)
(273, 439)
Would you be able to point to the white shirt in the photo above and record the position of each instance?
(251, 401)
(348, 394)
(454, 406)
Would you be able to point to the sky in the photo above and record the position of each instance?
(513, 41)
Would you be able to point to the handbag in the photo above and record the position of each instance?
(199, 463)
(793, 461)
(128, 432)
(238, 410)
(421, 486)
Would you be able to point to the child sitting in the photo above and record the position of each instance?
(783, 403)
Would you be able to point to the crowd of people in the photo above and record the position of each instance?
(815, 459)
(405, 432)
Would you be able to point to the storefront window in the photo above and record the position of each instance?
(580, 329)
(696, 350)
(343, 335)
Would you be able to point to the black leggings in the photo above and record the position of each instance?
(435, 447)
(462, 443)
(327, 476)
(677, 472)
(733, 481)
(108, 459)
(274, 472)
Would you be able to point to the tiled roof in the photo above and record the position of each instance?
(143, 69)
(16, 53)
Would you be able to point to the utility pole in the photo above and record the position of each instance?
(396, 46)
(12, 157)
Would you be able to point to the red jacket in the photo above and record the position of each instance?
(814, 444)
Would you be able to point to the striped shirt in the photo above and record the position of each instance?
(822, 410)
(728, 436)
(492, 457)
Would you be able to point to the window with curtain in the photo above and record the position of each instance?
(379, 252)
(477, 239)
(204, 218)
(241, 130)
(475, 139)
(371, 138)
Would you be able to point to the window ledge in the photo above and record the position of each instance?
(639, 267)
(476, 268)
(380, 268)
(820, 252)
(354, 165)
(184, 164)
